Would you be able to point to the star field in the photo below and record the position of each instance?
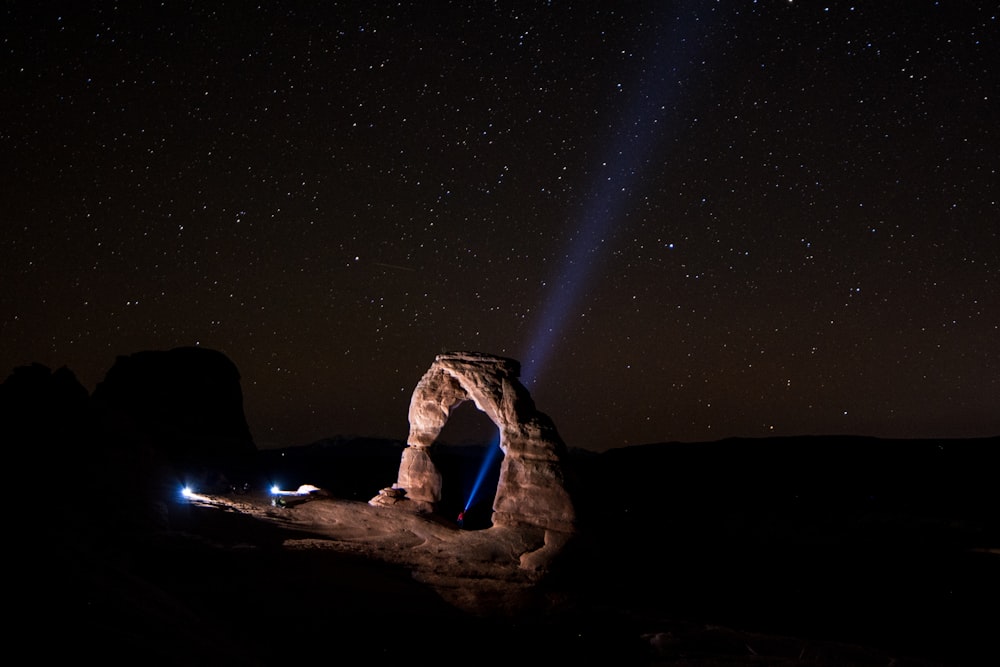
(728, 218)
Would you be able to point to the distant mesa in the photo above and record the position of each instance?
(172, 417)
(185, 402)
(157, 419)
(36, 399)
(531, 489)
(43, 414)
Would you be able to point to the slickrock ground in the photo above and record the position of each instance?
(379, 583)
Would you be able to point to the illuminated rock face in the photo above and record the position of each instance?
(531, 490)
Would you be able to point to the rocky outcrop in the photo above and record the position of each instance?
(44, 405)
(43, 424)
(185, 403)
(531, 489)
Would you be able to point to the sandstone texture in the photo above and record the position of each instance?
(532, 487)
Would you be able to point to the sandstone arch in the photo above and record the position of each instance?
(531, 490)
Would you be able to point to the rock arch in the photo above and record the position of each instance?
(531, 490)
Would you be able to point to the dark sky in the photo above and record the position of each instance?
(688, 220)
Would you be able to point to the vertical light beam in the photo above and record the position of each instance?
(488, 460)
(633, 144)
(634, 141)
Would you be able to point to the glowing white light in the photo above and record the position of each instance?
(187, 492)
(303, 490)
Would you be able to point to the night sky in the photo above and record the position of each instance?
(688, 220)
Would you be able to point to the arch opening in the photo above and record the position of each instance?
(468, 456)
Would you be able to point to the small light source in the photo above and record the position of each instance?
(275, 489)
(187, 492)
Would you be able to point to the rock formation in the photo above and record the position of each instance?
(43, 424)
(531, 489)
(41, 404)
(185, 403)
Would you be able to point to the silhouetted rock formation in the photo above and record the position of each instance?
(531, 488)
(170, 418)
(186, 402)
(159, 419)
(35, 400)
(43, 416)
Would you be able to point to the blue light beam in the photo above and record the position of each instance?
(635, 139)
(491, 456)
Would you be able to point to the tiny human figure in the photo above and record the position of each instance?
(461, 518)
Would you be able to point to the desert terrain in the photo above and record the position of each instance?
(673, 574)
(812, 550)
